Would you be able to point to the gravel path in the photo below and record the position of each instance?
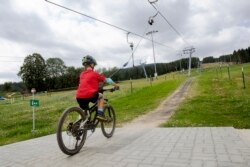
(164, 111)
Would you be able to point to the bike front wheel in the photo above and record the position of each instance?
(70, 136)
(108, 126)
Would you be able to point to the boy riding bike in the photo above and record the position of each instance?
(89, 85)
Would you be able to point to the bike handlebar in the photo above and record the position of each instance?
(109, 90)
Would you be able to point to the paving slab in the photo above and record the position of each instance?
(187, 147)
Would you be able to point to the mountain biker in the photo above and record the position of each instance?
(87, 90)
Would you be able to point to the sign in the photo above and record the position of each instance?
(34, 103)
(33, 90)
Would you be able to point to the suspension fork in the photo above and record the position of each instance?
(86, 119)
(107, 106)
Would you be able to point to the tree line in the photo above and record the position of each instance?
(44, 75)
(138, 72)
(47, 75)
(238, 57)
(52, 74)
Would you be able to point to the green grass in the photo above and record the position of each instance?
(215, 100)
(16, 118)
(144, 100)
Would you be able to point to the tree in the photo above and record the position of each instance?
(248, 54)
(55, 67)
(7, 86)
(33, 72)
(71, 77)
(55, 70)
(209, 59)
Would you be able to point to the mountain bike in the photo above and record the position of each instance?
(74, 124)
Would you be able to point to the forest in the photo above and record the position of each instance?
(238, 57)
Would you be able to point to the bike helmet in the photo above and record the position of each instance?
(87, 60)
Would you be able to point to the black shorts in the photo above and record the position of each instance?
(84, 103)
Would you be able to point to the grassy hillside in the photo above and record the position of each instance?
(216, 100)
(16, 116)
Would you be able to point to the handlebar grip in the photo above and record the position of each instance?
(110, 90)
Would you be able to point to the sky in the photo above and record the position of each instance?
(212, 27)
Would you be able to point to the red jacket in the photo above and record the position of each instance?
(89, 83)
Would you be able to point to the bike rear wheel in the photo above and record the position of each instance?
(70, 136)
(108, 127)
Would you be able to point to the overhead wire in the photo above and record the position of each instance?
(168, 22)
(77, 58)
(117, 27)
(104, 22)
(13, 56)
(10, 61)
(124, 65)
(25, 57)
(138, 43)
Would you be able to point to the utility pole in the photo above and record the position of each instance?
(189, 51)
(151, 33)
(132, 48)
(143, 67)
(180, 61)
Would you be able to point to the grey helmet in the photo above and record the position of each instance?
(87, 60)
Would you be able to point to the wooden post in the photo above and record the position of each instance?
(228, 71)
(217, 73)
(131, 85)
(220, 72)
(243, 78)
(150, 81)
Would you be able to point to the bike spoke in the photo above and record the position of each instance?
(70, 137)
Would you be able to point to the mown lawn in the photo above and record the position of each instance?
(216, 100)
(16, 118)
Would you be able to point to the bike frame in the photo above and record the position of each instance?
(88, 118)
(89, 112)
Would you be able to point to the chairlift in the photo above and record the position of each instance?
(144, 70)
(151, 19)
(131, 45)
(124, 65)
(152, 1)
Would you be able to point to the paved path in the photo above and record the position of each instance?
(164, 111)
(182, 147)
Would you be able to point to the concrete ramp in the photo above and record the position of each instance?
(182, 147)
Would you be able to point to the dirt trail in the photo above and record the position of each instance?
(163, 112)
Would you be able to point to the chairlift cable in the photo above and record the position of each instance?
(114, 26)
(138, 43)
(178, 33)
(104, 22)
(125, 64)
